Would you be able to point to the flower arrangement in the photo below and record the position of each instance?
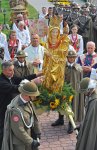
(55, 101)
(60, 102)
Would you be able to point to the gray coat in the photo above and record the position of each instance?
(87, 137)
(26, 70)
(73, 76)
(17, 131)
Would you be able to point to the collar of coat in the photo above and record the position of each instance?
(76, 66)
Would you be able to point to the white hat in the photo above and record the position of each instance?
(92, 84)
(21, 23)
(19, 15)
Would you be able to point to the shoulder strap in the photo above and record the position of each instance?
(20, 112)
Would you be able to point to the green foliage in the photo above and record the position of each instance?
(55, 100)
(33, 14)
(7, 32)
(68, 90)
(5, 5)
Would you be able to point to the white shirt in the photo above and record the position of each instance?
(81, 47)
(35, 53)
(24, 37)
(42, 16)
(3, 44)
(23, 100)
(61, 27)
(15, 28)
(21, 64)
(70, 64)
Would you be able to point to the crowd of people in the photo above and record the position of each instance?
(67, 55)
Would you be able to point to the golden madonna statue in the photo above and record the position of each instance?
(55, 57)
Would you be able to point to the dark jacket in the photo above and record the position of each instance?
(8, 90)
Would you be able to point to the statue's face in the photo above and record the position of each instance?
(54, 33)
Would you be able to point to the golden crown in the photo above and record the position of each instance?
(55, 21)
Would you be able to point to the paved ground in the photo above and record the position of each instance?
(55, 138)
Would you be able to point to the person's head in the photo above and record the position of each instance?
(35, 40)
(21, 56)
(74, 29)
(50, 10)
(8, 69)
(12, 34)
(21, 25)
(93, 9)
(85, 11)
(71, 57)
(67, 7)
(61, 17)
(44, 10)
(87, 4)
(29, 91)
(87, 86)
(76, 8)
(90, 47)
(20, 17)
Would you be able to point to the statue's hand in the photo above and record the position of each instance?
(47, 53)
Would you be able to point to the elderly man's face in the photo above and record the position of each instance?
(9, 72)
(20, 18)
(90, 48)
(35, 40)
(21, 27)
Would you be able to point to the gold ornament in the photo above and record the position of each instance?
(55, 21)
